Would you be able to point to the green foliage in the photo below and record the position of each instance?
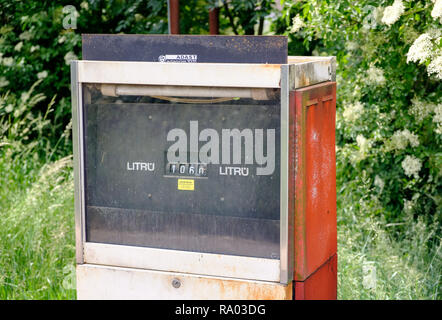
(388, 138)
(36, 203)
(406, 264)
(387, 119)
(194, 17)
(24, 138)
(37, 234)
(242, 16)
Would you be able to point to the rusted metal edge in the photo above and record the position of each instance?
(304, 98)
(107, 282)
(286, 239)
(300, 186)
(308, 71)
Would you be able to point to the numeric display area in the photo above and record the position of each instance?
(186, 170)
(194, 177)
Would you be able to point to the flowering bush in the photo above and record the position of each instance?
(389, 96)
(389, 158)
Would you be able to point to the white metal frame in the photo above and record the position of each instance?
(180, 74)
(201, 75)
(98, 282)
(286, 257)
(182, 261)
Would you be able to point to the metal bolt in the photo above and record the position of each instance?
(176, 283)
(150, 117)
(149, 195)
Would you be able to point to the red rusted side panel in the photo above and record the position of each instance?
(315, 177)
(321, 285)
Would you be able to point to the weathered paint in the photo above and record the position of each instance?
(223, 265)
(305, 74)
(180, 74)
(207, 48)
(315, 177)
(105, 282)
(321, 285)
(292, 161)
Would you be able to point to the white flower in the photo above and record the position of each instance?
(8, 61)
(363, 144)
(84, 5)
(35, 48)
(378, 182)
(412, 166)
(373, 18)
(42, 75)
(437, 9)
(353, 111)
(375, 75)
(408, 206)
(393, 13)
(351, 46)
(138, 17)
(412, 138)
(18, 46)
(69, 57)
(437, 119)
(421, 49)
(3, 82)
(400, 139)
(435, 67)
(420, 109)
(62, 39)
(297, 24)
(26, 35)
(425, 50)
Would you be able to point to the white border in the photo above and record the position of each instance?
(189, 74)
(106, 282)
(182, 261)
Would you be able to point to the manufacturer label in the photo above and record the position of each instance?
(186, 184)
(178, 58)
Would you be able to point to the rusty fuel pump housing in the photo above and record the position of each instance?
(204, 169)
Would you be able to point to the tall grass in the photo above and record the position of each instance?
(36, 205)
(37, 238)
(405, 258)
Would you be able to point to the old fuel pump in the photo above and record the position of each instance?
(204, 169)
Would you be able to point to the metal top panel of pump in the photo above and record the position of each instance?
(185, 48)
(258, 58)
